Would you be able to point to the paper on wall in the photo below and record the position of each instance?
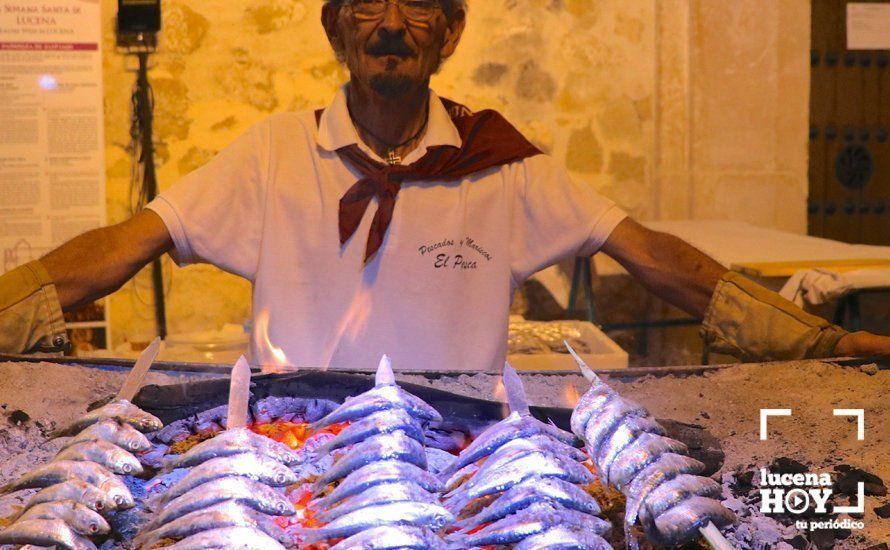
(868, 26)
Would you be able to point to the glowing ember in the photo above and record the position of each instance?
(270, 356)
(296, 435)
(293, 434)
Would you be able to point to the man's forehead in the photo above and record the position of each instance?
(448, 6)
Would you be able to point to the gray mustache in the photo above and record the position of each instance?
(395, 47)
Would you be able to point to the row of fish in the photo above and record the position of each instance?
(228, 490)
(630, 452)
(80, 486)
(520, 483)
(378, 492)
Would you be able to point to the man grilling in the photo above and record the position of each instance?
(397, 221)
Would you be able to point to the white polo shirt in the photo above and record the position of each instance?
(435, 296)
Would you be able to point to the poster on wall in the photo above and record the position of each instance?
(52, 166)
(868, 26)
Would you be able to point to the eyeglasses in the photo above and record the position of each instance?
(413, 10)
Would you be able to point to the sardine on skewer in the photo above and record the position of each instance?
(384, 497)
(519, 424)
(504, 457)
(123, 435)
(637, 455)
(630, 452)
(388, 493)
(537, 518)
(417, 514)
(254, 466)
(664, 468)
(385, 395)
(684, 521)
(377, 423)
(564, 537)
(528, 492)
(234, 442)
(81, 519)
(673, 492)
(65, 470)
(109, 455)
(612, 416)
(507, 451)
(532, 465)
(122, 411)
(515, 426)
(392, 446)
(228, 538)
(77, 490)
(45, 532)
(520, 480)
(393, 537)
(377, 473)
(225, 514)
(622, 436)
(241, 490)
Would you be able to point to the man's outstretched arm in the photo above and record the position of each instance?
(741, 318)
(84, 269)
(100, 261)
(668, 266)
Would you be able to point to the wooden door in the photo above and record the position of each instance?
(849, 170)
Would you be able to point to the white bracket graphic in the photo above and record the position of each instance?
(766, 413)
(860, 506)
(860, 415)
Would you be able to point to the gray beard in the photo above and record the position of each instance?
(391, 87)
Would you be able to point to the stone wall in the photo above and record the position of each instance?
(674, 108)
(732, 111)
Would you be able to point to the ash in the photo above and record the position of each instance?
(754, 529)
(38, 397)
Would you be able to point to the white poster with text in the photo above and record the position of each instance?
(52, 166)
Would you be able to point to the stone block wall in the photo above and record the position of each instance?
(733, 111)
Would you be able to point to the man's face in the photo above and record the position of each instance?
(391, 54)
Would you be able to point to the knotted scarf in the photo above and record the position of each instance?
(488, 140)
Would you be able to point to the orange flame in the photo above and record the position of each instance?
(270, 356)
(571, 396)
(500, 394)
(351, 324)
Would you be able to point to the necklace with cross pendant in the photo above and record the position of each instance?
(393, 159)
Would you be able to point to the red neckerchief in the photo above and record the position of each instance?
(488, 140)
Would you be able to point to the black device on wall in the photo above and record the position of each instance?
(138, 23)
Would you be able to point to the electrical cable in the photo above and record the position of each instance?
(138, 195)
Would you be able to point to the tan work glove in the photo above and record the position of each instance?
(752, 323)
(31, 319)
